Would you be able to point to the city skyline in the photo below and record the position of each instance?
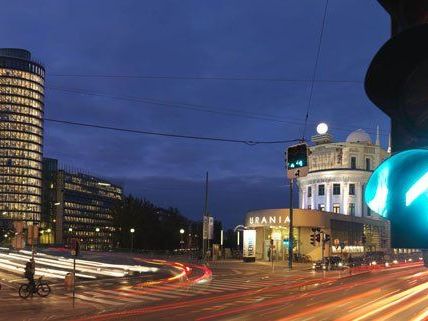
(170, 172)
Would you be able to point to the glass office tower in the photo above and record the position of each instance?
(21, 135)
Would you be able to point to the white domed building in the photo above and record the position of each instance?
(338, 173)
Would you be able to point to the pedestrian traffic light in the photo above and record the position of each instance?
(326, 238)
(297, 161)
(75, 247)
(313, 239)
(285, 242)
(398, 191)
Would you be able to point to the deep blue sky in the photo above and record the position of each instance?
(265, 39)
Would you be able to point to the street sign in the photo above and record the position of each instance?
(398, 191)
(297, 161)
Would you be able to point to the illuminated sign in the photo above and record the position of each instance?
(249, 245)
(268, 220)
(398, 191)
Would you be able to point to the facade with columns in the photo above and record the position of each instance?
(338, 173)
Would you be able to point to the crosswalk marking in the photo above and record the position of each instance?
(98, 294)
(92, 299)
(129, 294)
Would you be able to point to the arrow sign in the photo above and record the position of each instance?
(420, 187)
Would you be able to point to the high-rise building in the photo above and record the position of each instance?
(77, 205)
(21, 135)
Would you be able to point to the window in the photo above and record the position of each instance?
(336, 189)
(309, 191)
(336, 208)
(351, 189)
(368, 164)
(309, 207)
(321, 190)
(351, 209)
(353, 162)
(321, 207)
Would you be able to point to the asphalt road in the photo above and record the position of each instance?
(240, 292)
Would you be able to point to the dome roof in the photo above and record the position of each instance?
(358, 136)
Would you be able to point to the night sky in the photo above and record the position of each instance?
(228, 39)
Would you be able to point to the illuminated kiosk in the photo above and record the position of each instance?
(273, 224)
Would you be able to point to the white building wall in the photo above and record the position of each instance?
(330, 164)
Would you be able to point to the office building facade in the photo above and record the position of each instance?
(77, 205)
(21, 136)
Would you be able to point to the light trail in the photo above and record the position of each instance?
(58, 266)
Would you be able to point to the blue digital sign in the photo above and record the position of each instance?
(398, 191)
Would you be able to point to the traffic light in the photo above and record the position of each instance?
(326, 238)
(297, 161)
(398, 73)
(75, 247)
(398, 191)
(313, 239)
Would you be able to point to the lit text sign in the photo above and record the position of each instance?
(268, 220)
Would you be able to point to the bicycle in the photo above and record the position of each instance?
(41, 287)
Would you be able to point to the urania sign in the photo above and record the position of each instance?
(398, 190)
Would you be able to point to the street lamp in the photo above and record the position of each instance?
(97, 229)
(181, 241)
(132, 230)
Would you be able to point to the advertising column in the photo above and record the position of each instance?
(249, 246)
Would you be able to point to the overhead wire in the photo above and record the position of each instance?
(201, 108)
(314, 73)
(171, 135)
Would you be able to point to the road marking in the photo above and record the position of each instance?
(105, 295)
(93, 299)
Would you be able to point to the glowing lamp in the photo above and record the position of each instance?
(322, 128)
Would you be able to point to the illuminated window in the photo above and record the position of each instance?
(321, 207)
(336, 208)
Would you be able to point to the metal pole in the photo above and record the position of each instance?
(132, 242)
(205, 215)
(74, 279)
(290, 233)
(322, 247)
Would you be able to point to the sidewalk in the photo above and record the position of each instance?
(259, 266)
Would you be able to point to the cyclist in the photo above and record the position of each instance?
(29, 273)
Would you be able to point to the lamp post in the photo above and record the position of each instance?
(181, 240)
(132, 230)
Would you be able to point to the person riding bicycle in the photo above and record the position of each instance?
(29, 273)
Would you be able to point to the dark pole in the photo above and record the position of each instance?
(205, 216)
(290, 233)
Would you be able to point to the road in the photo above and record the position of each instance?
(241, 292)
